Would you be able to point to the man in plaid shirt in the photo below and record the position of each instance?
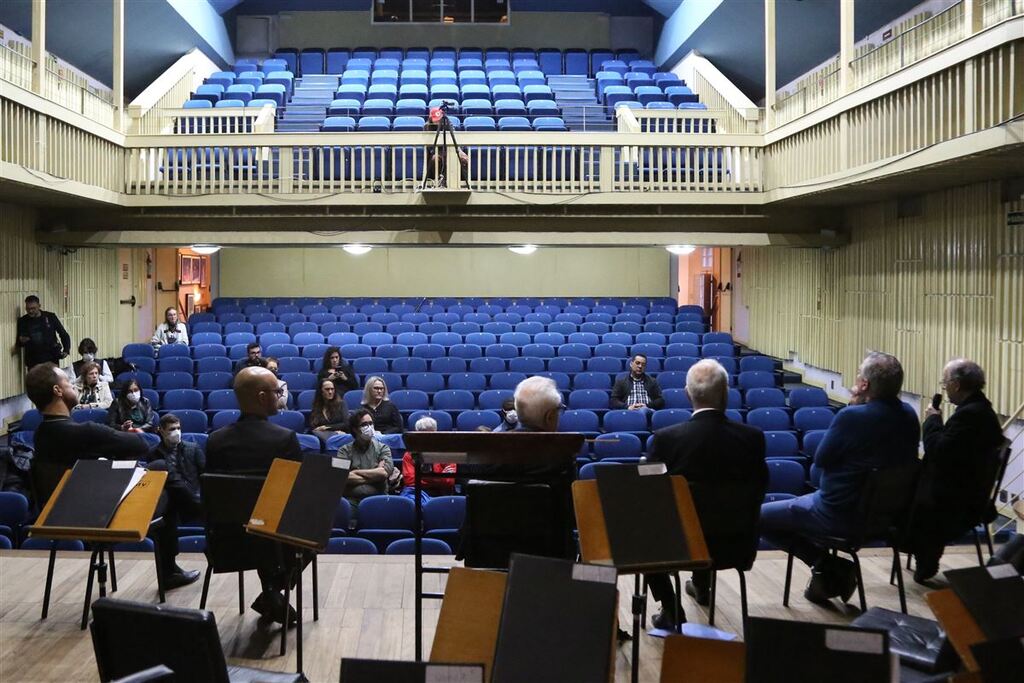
(637, 390)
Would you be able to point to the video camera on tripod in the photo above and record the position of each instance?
(440, 112)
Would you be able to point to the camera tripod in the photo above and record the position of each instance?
(437, 160)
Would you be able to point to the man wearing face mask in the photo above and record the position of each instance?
(371, 460)
(509, 417)
(62, 441)
(184, 462)
(248, 447)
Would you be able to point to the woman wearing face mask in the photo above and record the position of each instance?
(170, 331)
(92, 391)
(386, 417)
(371, 460)
(87, 351)
(509, 419)
(131, 412)
(330, 414)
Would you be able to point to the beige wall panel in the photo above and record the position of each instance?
(81, 288)
(444, 272)
(946, 282)
(526, 29)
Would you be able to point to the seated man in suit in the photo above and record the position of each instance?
(709, 448)
(637, 390)
(184, 461)
(960, 460)
(248, 447)
(61, 441)
(876, 431)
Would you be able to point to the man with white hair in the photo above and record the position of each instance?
(708, 449)
(880, 432)
(960, 460)
(538, 404)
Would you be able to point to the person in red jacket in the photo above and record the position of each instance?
(432, 485)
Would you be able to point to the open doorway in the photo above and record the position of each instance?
(705, 279)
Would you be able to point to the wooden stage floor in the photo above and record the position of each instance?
(366, 611)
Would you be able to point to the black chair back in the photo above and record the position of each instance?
(886, 501)
(228, 502)
(982, 510)
(128, 637)
(729, 513)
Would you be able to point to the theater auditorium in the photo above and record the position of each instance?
(508, 340)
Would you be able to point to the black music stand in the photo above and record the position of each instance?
(548, 453)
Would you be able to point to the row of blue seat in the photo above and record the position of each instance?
(551, 60)
(303, 337)
(374, 122)
(473, 302)
(328, 324)
(343, 315)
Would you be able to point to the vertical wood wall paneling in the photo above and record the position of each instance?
(81, 288)
(947, 282)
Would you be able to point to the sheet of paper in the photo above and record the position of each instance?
(136, 478)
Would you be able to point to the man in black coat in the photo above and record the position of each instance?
(184, 461)
(61, 441)
(248, 447)
(960, 461)
(42, 335)
(637, 390)
(709, 449)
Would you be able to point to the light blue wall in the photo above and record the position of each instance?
(682, 24)
(205, 21)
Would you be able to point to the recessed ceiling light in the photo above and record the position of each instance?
(523, 249)
(205, 249)
(681, 249)
(357, 249)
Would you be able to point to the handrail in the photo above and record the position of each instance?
(738, 114)
(218, 120)
(16, 67)
(169, 91)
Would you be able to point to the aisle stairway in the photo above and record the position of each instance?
(577, 98)
(308, 106)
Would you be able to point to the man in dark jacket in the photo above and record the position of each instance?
(709, 449)
(878, 433)
(41, 335)
(61, 441)
(637, 390)
(248, 447)
(184, 462)
(960, 461)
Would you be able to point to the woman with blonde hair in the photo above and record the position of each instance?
(386, 418)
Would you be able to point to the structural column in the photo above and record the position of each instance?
(845, 45)
(118, 78)
(972, 17)
(38, 46)
(769, 63)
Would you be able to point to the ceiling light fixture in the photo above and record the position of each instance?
(523, 249)
(681, 249)
(357, 249)
(205, 249)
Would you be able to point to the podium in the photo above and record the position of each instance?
(130, 523)
(554, 450)
(604, 522)
(295, 508)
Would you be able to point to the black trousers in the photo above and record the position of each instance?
(176, 503)
(662, 590)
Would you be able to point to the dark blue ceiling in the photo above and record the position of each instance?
(80, 32)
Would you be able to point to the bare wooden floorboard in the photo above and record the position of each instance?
(366, 610)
